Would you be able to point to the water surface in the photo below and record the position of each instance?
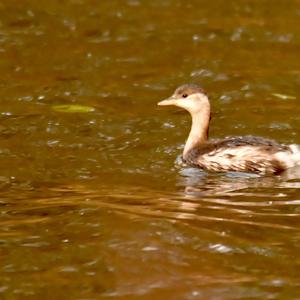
(92, 204)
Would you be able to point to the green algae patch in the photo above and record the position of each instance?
(73, 108)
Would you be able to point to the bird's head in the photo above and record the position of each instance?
(188, 96)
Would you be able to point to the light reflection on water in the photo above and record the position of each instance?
(191, 241)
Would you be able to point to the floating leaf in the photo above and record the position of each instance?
(284, 97)
(73, 108)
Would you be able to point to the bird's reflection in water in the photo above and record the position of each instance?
(239, 198)
(197, 182)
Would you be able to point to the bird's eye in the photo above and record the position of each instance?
(184, 95)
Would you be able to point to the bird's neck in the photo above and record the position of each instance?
(199, 131)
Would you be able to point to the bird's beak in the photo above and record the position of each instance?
(169, 101)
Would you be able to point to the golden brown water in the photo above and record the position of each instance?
(92, 204)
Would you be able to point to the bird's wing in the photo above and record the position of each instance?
(243, 154)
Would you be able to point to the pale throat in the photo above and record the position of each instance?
(199, 130)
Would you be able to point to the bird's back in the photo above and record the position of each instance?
(243, 154)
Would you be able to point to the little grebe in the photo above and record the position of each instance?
(238, 154)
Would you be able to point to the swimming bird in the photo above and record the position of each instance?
(249, 154)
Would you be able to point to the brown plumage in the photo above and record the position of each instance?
(241, 154)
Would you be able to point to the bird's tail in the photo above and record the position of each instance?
(295, 149)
